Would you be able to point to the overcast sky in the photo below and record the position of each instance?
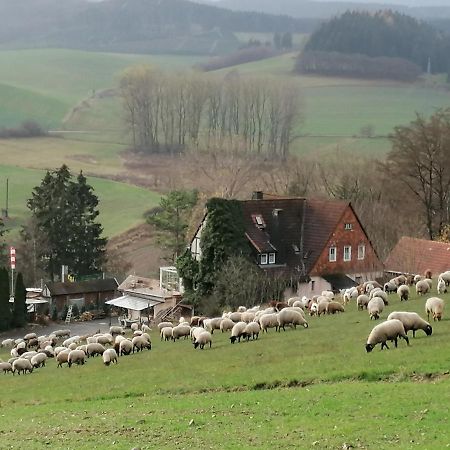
(404, 2)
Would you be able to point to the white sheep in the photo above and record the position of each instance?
(116, 330)
(22, 365)
(390, 286)
(235, 317)
(237, 332)
(94, 349)
(241, 309)
(441, 286)
(8, 343)
(446, 277)
(247, 317)
(146, 329)
(422, 287)
(202, 339)
(390, 330)
(76, 357)
(109, 356)
(125, 347)
(134, 326)
(434, 306)
(411, 321)
(375, 307)
(226, 324)
(5, 367)
(162, 325)
(39, 360)
(105, 339)
(362, 301)
(417, 278)
(62, 357)
(334, 307)
(269, 321)
(62, 333)
(140, 342)
(30, 336)
(380, 293)
(403, 292)
(251, 330)
(181, 331)
(289, 317)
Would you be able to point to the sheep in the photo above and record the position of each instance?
(195, 321)
(328, 294)
(74, 339)
(314, 308)
(296, 308)
(322, 307)
(38, 360)
(30, 336)
(6, 367)
(290, 318)
(435, 306)
(162, 325)
(62, 357)
(299, 304)
(375, 308)
(212, 324)
(241, 309)
(22, 365)
(92, 339)
(237, 332)
(180, 331)
(33, 343)
(411, 321)
(116, 330)
(441, 286)
(94, 349)
(381, 294)
(390, 330)
(125, 347)
(235, 317)
(362, 301)
(49, 351)
(137, 333)
(147, 336)
(226, 324)
(76, 357)
(446, 277)
(8, 343)
(390, 286)
(422, 287)
(140, 342)
(202, 339)
(403, 292)
(72, 346)
(134, 326)
(82, 348)
(247, 317)
(105, 339)
(58, 350)
(21, 345)
(146, 329)
(62, 333)
(196, 331)
(334, 307)
(251, 330)
(28, 355)
(109, 356)
(292, 300)
(11, 360)
(166, 333)
(268, 321)
(417, 278)
(350, 294)
(430, 282)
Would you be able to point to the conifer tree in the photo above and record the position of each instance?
(5, 307)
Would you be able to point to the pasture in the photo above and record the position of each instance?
(304, 388)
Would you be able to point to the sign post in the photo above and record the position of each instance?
(12, 259)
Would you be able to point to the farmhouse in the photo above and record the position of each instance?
(416, 256)
(318, 244)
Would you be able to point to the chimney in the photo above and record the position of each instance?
(257, 195)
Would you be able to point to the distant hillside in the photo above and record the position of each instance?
(138, 26)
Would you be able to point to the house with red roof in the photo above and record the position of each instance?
(417, 256)
(318, 244)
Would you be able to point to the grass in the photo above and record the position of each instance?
(299, 389)
(121, 205)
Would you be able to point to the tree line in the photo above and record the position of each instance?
(174, 112)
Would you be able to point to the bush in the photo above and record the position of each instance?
(54, 315)
(26, 129)
(64, 313)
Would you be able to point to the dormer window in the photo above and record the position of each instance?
(348, 226)
(258, 221)
(271, 258)
(263, 259)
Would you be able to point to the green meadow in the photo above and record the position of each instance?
(303, 388)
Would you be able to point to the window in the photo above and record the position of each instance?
(361, 251)
(332, 254)
(347, 253)
(348, 226)
(271, 258)
(258, 221)
(263, 258)
(312, 284)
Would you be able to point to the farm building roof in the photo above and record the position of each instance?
(131, 302)
(339, 281)
(416, 256)
(82, 287)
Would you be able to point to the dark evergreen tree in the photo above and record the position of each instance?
(286, 41)
(277, 40)
(19, 318)
(3, 246)
(5, 306)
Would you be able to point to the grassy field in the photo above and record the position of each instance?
(121, 205)
(295, 389)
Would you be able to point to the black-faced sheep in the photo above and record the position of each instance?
(390, 330)
(375, 308)
(289, 317)
(435, 307)
(202, 339)
(411, 321)
(22, 365)
(335, 307)
(109, 356)
(76, 357)
(403, 292)
(237, 332)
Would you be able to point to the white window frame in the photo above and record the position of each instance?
(361, 251)
(271, 258)
(263, 259)
(348, 226)
(349, 247)
(330, 257)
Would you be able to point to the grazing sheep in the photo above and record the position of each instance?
(62, 357)
(195, 332)
(212, 324)
(322, 307)
(137, 333)
(39, 360)
(430, 282)
(22, 365)
(435, 306)
(226, 324)
(105, 339)
(334, 307)
(8, 343)
(115, 331)
(72, 346)
(390, 330)
(237, 332)
(146, 329)
(441, 286)
(28, 355)
(350, 294)
(30, 336)
(140, 342)
(375, 308)
(292, 300)
(390, 287)
(241, 309)
(76, 357)
(202, 339)
(235, 317)
(62, 333)
(328, 294)
(94, 349)
(288, 317)
(125, 347)
(195, 321)
(417, 278)
(403, 292)
(166, 333)
(247, 317)
(381, 294)
(92, 339)
(362, 301)
(411, 321)
(181, 331)
(134, 326)
(109, 356)
(299, 304)
(162, 325)
(422, 287)
(314, 308)
(73, 339)
(251, 330)
(58, 350)
(6, 367)
(446, 277)
(268, 321)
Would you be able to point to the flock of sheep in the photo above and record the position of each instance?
(33, 351)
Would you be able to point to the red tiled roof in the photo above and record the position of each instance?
(415, 256)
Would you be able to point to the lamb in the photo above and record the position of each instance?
(362, 301)
(162, 325)
(109, 356)
(202, 339)
(94, 349)
(403, 292)
(22, 365)
(290, 318)
(334, 307)
(268, 321)
(6, 367)
(435, 306)
(140, 342)
(441, 286)
(237, 332)
(411, 321)
(116, 330)
(390, 330)
(350, 294)
(166, 333)
(226, 324)
(62, 357)
(125, 347)
(422, 287)
(76, 357)
(180, 331)
(251, 330)
(375, 308)
(39, 360)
